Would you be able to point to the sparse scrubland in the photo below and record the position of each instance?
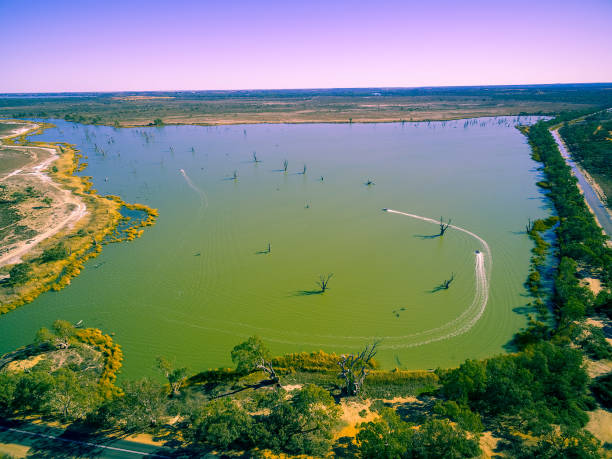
(306, 105)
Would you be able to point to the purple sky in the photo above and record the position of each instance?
(60, 45)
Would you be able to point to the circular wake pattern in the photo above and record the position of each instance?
(471, 315)
(458, 326)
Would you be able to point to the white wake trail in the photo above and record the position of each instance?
(474, 312)
(203, 197)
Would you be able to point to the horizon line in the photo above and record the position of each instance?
(310, 88)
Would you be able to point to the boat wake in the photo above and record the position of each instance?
(455, 327)
(201, 193)
(471, 315)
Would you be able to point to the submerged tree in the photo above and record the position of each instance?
(447, 282)
(255, 160)
(444, 226)
(324, 280)
(355, 368)
(235, 176)
(285, 165)
(304, 170)
(370, 182)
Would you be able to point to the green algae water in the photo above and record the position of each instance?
(202, 279)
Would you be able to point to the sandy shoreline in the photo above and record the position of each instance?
(37, 170)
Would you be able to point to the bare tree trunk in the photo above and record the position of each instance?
(354, 369)
(268, 369)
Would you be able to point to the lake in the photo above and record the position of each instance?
(201, 280)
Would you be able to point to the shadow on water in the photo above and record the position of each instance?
(308, 292)
(423, 236)
(438, 288)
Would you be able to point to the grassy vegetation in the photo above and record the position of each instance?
(320, 105)
(590, 142)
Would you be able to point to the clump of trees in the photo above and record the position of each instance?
(300, 422)
(19, 274)
(581, 247)
(544, 384)
(57, 252)
(391, 437)
(61, 335)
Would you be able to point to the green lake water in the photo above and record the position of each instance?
(194, 285)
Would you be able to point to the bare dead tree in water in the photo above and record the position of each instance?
(255, 160)
(444, 226)
(285, 165)
(324, 280)
(304, 170)
(446, 283)
(355, 368)
(235, 176)
(529, 226)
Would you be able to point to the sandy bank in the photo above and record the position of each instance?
(66, 200)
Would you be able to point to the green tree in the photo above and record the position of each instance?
(602, 389)
(58, 252)
(71, 397)
(461, 414)
(438, 438)
(390, 437)
(141, 407)
(385, 437)
(220, 423)
(8, 385)
(32, 391)
(302, 423)
(176, 376)
(543, 384)
(60, 336)
(248, 355)
(19, 274)
(566, 443)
